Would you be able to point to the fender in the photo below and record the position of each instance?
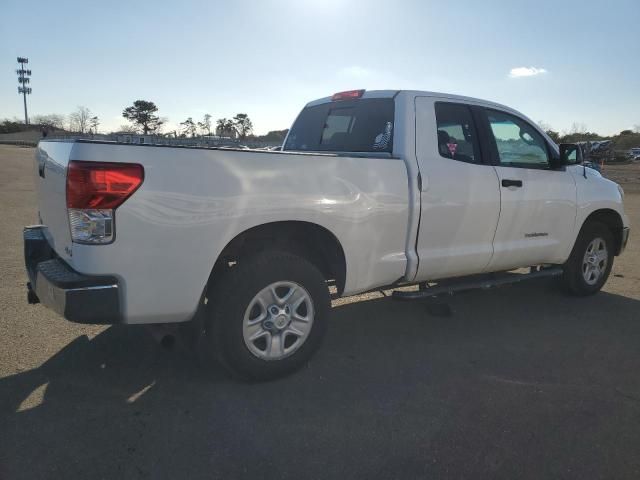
(601, 199)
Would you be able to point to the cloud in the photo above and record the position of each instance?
(519, 72)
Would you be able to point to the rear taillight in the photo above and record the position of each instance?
(101, 185)
(94, 191)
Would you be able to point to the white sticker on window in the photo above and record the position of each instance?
(382, 139)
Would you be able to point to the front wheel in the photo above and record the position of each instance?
(591, 260)
(267, 315)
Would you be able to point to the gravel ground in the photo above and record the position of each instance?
(626, 175)
(518, 382)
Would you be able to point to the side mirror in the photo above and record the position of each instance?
(570, 154)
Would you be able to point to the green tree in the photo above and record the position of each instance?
(52, 120)
(11, 126)
(189, 127)
(626, 140)
(242, 125)
(93, 123)
(274, 136)
(143, 115)
(581, 137)
(555, 136)
(225, 127)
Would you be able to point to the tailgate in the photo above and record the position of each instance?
(51, 161)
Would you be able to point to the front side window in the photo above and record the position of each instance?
(339, 123)
(517, 142)
(363, 125)
(456, 133)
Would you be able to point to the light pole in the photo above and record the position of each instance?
(23, 80)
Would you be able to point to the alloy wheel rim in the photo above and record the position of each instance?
(594, 262)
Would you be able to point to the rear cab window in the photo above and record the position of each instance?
(362, 125)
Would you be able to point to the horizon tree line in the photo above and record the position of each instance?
(143, 117)
(81, 120)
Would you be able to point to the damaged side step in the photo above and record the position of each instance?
(476, 282)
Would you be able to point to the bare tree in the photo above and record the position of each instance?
(544, 125)
(205, 124)
(79, 119)
(577, 127)
(127, 129)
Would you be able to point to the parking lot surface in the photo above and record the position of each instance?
(516, 382)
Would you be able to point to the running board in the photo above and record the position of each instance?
(475, 282)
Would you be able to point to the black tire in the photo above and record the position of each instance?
(573, 277)
(229, 299)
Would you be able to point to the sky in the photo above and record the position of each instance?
(557, 61)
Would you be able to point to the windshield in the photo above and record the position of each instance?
(344, 126)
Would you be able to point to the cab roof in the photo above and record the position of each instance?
(416, 93)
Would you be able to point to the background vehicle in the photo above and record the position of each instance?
(371, 189)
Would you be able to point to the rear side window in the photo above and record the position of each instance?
(457, 137)
(364, 125)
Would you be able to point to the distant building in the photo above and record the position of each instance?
(218, 138)
(134, 138)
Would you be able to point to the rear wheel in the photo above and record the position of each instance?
(591, 260)
(266, 316)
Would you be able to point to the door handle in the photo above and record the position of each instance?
(506, 182)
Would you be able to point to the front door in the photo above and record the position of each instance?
(460, 194)
(538, 204)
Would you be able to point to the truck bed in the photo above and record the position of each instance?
(195, 200)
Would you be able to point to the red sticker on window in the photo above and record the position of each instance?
(452, 148)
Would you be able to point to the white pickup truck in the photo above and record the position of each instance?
(371, 189)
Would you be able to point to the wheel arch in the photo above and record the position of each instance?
(612, 220)
(312, 241)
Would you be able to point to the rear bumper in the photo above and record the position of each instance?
(77, 297)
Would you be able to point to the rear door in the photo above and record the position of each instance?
(460, 196)
(538, 204)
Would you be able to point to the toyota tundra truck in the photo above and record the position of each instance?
(371, 190)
